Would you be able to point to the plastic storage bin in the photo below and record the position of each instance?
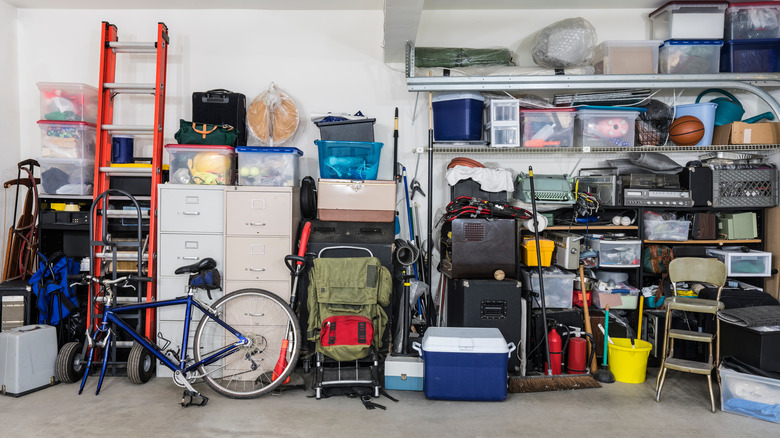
(690, 56)
(754, 20)
(605, 126)
(349, 159)
(743, 264)
(750, 56)
(201, 164)
(616, 253)
(667, 230)
(502, 122)
(558, 288)
(622, 297)
(528, 251)
(749, 395)
(626, 57)
(67, 139)
(689, 20)
(64, 176)
(65, 101)
(704, 111)
(457, 116)
(464, 363)
(268, 166)
(553, 127)
(347, 130)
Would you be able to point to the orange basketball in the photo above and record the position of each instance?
(686, 131)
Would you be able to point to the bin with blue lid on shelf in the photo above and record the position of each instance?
(268, 166)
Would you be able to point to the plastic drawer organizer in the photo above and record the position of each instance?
(743, 264)
(502, 122)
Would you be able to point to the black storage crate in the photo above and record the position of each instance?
(347, 130)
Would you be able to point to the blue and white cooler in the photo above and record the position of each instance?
(465, 363)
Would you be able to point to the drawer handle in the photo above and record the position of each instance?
(257, 269)
(257, 224)
(191, 213)
(190, 258)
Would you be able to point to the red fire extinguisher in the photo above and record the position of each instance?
(556, 356)
(576, 355)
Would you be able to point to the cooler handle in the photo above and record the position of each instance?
(417, 346)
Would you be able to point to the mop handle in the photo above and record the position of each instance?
(639, 324)
(606, 334)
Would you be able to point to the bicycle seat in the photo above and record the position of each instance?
(207, 263)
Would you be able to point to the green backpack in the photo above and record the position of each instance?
(345, 301)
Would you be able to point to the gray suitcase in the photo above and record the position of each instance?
(27, 358)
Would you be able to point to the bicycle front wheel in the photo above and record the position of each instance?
(265, 320)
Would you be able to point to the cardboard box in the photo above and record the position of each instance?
(747, 133)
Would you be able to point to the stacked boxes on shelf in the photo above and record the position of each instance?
(691, 35)
(752, 38)
(68, 132)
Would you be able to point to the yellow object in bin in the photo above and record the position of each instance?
(528, 251)
(57, 206)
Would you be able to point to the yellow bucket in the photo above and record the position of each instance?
(628, 364)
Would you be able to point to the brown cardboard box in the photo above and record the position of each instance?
(747, 133)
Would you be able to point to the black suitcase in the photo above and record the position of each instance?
(219, 107)
(488, 303)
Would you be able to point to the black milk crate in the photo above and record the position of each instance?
(744, 187)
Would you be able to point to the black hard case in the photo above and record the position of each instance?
(219, 107)
(754, 347)
(488, 303)
(482, 246)
(699, 181)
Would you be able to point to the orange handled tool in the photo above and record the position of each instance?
(282, 363)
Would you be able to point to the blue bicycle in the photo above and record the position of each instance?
(246, 344)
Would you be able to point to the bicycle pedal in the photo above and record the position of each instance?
(189, 397)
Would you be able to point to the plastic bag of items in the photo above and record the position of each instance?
(652, 126)
(564, 44)
(272, 117)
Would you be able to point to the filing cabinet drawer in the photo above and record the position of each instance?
(257, 258)
(177, 250)
(191, 209)
(277, 287)
(259, 213)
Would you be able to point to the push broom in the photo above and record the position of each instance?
(548, 382)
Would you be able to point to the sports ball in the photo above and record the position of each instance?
(686, 131)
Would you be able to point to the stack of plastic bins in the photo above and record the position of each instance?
(692, 35)
(752, 38)
(68, 116)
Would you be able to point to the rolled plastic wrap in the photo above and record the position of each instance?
(564, 44)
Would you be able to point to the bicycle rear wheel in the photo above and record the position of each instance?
(265, 320)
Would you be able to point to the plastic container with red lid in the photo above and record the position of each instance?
(753, 21)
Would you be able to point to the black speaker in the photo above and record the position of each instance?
(488, 303)
(481, 246)
(698, 180)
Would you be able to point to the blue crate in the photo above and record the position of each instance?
(358, 160)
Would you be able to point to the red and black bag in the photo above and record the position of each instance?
(346, 330)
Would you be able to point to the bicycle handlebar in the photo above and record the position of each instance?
(85, 278)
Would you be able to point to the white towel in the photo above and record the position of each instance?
(489, 179)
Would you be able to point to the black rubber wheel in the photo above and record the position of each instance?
(70, 363)
(140, 364)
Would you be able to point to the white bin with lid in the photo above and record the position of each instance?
(689, 20)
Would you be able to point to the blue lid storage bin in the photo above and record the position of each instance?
(690, 56)
(357, 160)
(457, 116)
(750, 56)
(268, 166)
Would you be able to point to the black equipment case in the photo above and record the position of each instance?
(698, 179)
(221, 107)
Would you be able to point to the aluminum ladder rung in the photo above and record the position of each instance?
(130, 88)
(132, 47)
(130, 213)
(130, 129)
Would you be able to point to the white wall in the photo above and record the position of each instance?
(326, 60)
(9, 110)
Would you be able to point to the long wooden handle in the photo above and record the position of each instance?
(593, 364)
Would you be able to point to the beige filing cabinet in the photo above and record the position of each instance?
(191, 227)
(260, 228)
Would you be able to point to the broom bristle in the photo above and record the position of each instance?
(551, 383)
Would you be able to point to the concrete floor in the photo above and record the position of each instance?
(152, 409)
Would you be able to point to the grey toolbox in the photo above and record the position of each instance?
(27, 358)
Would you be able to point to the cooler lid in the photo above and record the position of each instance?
(464, 340)
(678, 5)
(66, 122)
(442, 97)
(269, 150)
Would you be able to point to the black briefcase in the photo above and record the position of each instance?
(221, 107)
